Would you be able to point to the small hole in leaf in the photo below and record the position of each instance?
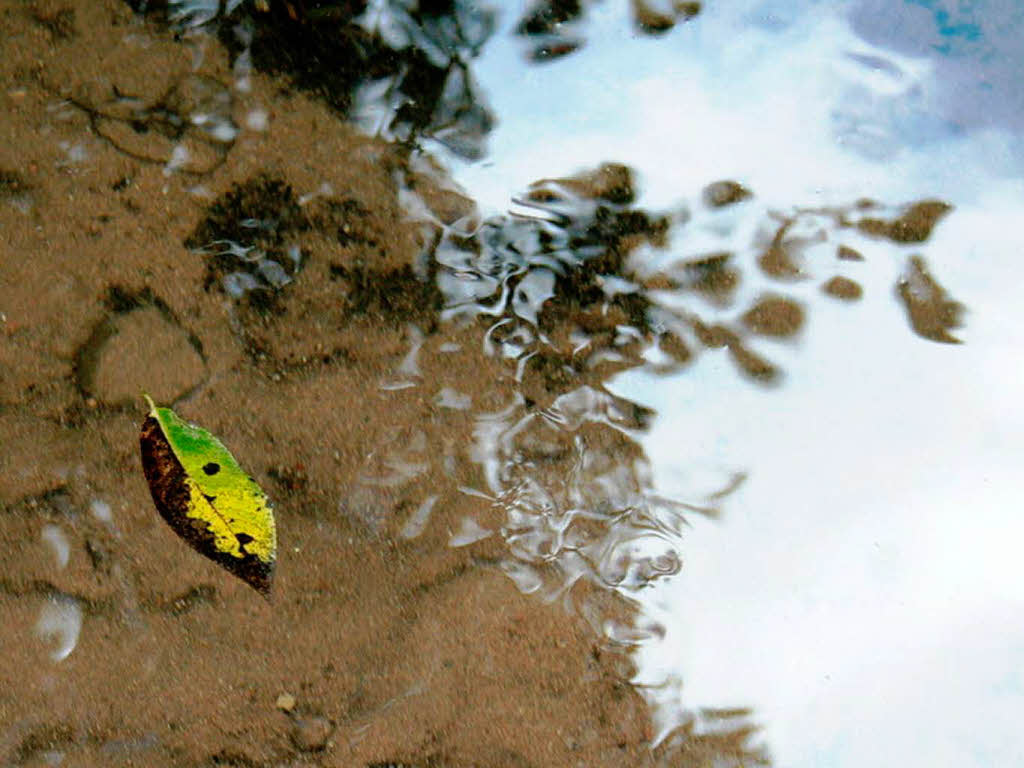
(211, 468)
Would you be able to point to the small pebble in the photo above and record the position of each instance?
(285, 702)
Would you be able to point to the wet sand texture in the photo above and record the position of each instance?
(255, 269)
(394, 651)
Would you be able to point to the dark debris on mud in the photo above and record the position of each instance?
(12, 184)
(251, 235)
(328, 51)
(249, 238)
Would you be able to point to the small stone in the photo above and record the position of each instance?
(311, 734)
(285, 702)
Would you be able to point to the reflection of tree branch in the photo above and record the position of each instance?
(340, 51)
(159, 116)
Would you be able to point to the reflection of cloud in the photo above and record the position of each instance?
(792, 104)
(862, 589)
(976, 49)
(60, 618)
(55, 537)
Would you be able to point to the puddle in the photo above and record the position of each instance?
(635, 383)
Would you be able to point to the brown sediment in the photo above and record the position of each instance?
(144, 341)
(847, 253)
(674, 347)
(12, 184)
(751, 363)
(712, 275)
(723, 193)
(610, 182)
(546, 16)
(914, 225)
(653, 21)
(932, 313)
(58, 20)
(843, 288)
(774, 316)
(777, 260)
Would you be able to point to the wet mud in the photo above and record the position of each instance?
(391, 650)
(419, 390)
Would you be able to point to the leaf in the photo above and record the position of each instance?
(207, 498)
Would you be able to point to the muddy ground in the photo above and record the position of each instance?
(377, 647)
(222, 239)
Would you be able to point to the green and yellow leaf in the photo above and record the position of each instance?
(207, 498)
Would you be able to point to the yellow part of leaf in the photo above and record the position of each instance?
(232, 513)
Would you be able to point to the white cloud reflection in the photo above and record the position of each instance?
(864, 590)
